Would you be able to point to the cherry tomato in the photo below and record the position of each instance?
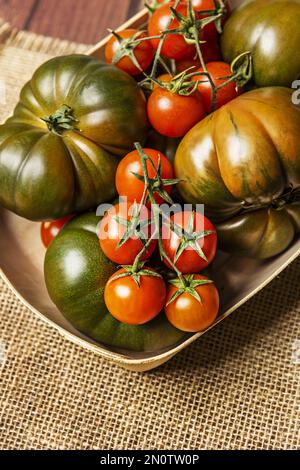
(175, 45)
(128, 185)
(133, 304)
(173, 115)
(188, 314)
(49, 230)
(143, 52)
(194, 224)
(210, 51)
(114, 225)
(219, 72)
(210, 31)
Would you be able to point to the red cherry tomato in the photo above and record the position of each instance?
(194, 224)
(188, 314)
(210, 31)
(175, 45)
(143, 52)
(114, 226)
(210, 51)
(128, 185)
(219, 73)
(173, 115)
(49, 230)
(135, 304)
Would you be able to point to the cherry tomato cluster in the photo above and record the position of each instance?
(182, 37)
(131, 234)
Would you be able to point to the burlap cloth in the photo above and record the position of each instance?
(236, 388)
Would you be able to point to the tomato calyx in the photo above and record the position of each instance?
(157, 184)
(189, 238)
(190, 26)
(189, 286)
(242, 69)
(137, 271)
(62, 120)
(134, 226)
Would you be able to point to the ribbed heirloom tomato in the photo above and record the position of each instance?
(129, 177)
(193, 248)
(189, 314)
(123, 232)
(175, 46)
(135, 303)
(49, 230)
(143, 51)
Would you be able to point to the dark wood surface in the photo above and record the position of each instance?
(84, 21)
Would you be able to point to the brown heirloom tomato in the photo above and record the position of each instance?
(270, 30)
(58, 152)
(243, 163)
(133, 303)
(189, 314)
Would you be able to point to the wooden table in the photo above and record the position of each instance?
(84, 21)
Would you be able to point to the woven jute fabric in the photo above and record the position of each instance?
(236, 388)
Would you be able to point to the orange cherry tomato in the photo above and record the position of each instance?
(143, 52)
(128, 185)
(49, 230)
(172, 114)
(190, 260)
(133, 304)
(113, 227)
(219, 73)
(175, 45)
(188, 314)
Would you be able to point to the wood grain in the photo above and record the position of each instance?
(84, 21)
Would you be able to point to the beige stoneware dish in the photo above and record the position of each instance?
(21, 267)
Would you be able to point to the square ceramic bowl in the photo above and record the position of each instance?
(21, 267)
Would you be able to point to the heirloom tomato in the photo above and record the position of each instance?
(58, 152)
(243, 163)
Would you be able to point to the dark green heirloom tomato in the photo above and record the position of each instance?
(76, 272)
(270, 29)
(58, 151)
(243, 163)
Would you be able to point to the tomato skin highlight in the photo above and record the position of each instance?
(111, 233)
(143, 52)
(49, 230)
(219, 72)
(128, 185)
(174, 46)
(173, 115)
(187, 314)
(134, 305)
(189, 261)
